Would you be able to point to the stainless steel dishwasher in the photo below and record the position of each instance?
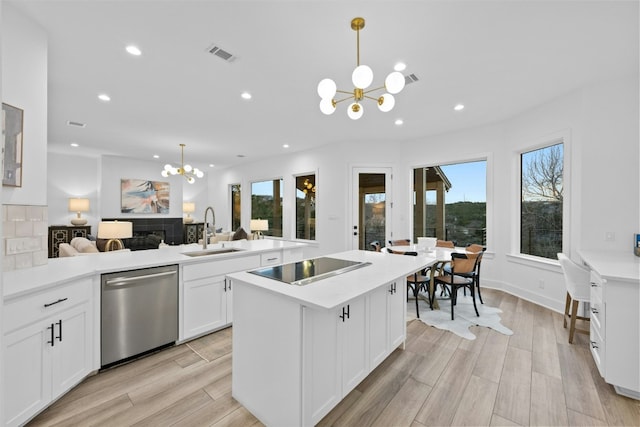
(139, 312)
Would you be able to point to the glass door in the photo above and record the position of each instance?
(371, 207)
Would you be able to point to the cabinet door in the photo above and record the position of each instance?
(379, 324)
(205, 305)
(397, 313)
(72, 351)
(352, 331)
(27, 372)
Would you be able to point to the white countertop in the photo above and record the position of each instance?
(336, 290)
(616, 265)
(59, 270)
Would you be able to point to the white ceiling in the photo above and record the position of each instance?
(498, 58)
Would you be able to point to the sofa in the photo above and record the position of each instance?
(79, 246)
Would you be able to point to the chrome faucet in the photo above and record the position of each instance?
(205, 236)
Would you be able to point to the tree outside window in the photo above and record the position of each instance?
(266, 203)
(541, 204)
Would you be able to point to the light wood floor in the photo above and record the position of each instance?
(533, 377)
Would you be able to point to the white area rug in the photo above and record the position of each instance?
(465, 316)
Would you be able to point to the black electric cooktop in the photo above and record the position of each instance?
(304, 272)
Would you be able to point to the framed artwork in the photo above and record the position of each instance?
(141, 196)
(12, 121)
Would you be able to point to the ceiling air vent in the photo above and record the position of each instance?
(76, 124)
(410, 78)
(221, 53)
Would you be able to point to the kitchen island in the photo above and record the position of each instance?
(298, 350)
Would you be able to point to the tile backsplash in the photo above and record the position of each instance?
(24, 229)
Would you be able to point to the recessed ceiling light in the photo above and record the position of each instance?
(245, 95)
(400, 66)
(155, 156)
(104, 97)
(211, 165)
(74, 144)
(459, 107)
(133, 50)
(285, 145)
(399, 122)
(241, 155)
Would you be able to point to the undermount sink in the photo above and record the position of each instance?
(216, 251)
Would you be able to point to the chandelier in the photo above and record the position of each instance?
(362, 78)
(190, 173)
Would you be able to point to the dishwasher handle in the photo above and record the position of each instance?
(123, 281)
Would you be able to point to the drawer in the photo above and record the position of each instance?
(271, 258)
(596, 286)
(31, 308)
(597, 316)
(220, 266)
(596, 344)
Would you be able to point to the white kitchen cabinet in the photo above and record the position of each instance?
(206, 294)
(49, 352)
(615, 319)
(316, 356)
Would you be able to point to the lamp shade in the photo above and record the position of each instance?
(188, 207)
(78, 205)
(259, 224)
(115, 230)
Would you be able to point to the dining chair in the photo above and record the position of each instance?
(416, 281)
(400, 242)
(577, 280)
(375, 246)
(460, 263)
(445, 244)
(475, 274)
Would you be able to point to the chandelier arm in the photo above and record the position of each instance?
(373, 90)
(344, 99)
(370, 97)
(345, 91)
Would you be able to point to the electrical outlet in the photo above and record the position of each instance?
(541, 284)
(609, 236)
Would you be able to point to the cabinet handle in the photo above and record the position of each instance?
(594, 310)
(594, 285)
(345, 313)
(55, 302)
(272, 259)
(593, 344)
(392, 288)
(52, 339)
(59, 330)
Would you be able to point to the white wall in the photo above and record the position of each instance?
(1, 260)
(98, 179)
(601, 124)
(24, 79)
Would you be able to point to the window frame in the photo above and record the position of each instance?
(232, 205)
(478, 157)
(282, 204)
(561, 137)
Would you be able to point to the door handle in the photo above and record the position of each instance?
(52, 342)
(59, 323)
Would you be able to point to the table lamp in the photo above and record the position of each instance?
(114, 231)
(78, 205)
(258, 226)
(188, 208)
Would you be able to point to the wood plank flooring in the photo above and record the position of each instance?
(533, 377)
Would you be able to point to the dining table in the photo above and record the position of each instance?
(437, 257)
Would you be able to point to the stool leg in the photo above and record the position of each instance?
(574, 313)
(566, 309)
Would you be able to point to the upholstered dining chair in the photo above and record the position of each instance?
(461, 263)
(375, 246)
(416, 282)
(473, 248)
(445, 244)
(578, 285)
(399, 242)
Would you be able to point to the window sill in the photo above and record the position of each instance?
(536, 262)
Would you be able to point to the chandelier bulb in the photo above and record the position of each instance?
(187, 168)
(394, 82)
(362, 77)
(327, 88)
(164, 173)
(327, 106)
(191, 180)
(355, 111)
(386, 102)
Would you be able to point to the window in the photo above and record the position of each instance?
(235, 206)
(541, 203)
(266, 203)
(306, 207)
(450, 202)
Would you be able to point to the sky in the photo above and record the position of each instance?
(468, 182)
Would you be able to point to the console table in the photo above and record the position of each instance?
(63, 234)
(192, 232)
(615, 318)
